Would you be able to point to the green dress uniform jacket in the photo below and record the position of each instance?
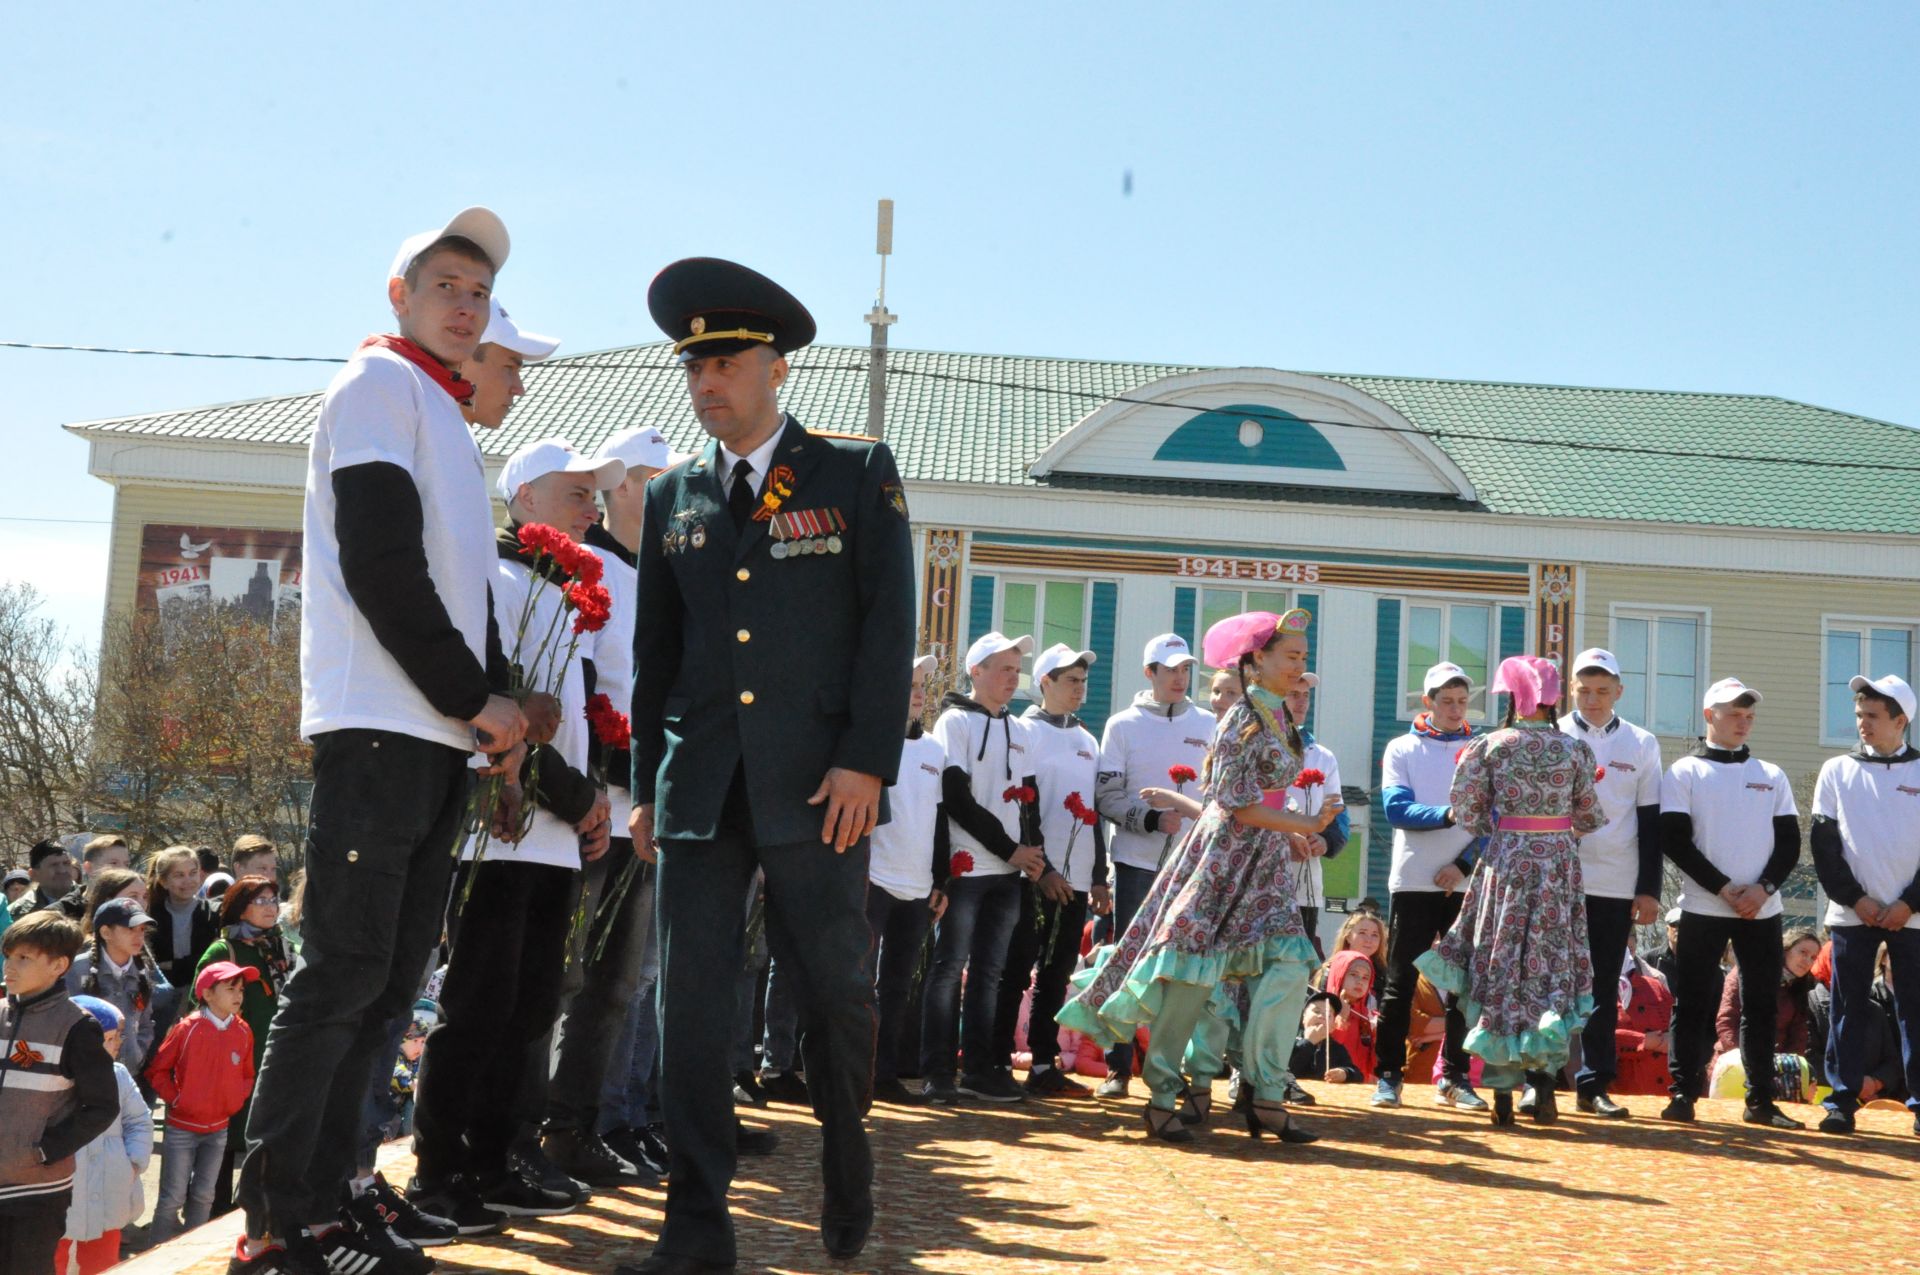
(751, 652)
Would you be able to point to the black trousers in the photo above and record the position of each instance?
(1029, 963)
(597, 989)
(816, 925)
(380, 838)
(899, 928)
(1608, 923)
(1417, 918)
(501, 993)
(1696, 1001)
(30, 1237)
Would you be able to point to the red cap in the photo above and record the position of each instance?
(220, 972)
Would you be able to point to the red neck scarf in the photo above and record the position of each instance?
(416, 354)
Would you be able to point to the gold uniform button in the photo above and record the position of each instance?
(743, 635)
(743, 575)
(746, 697)
(353, 856)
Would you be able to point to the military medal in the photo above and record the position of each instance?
(833, 544)
(698, 536)
(779, 550)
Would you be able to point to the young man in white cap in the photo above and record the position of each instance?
(1046, 940)
(616, 954)
(1619, 864)
(905, 876)
(1161, 729)
(494, 371)
(1728, 822)
(1431, 860)
(987, 757)
(514, 900)
(400, 686)
(1866, 848)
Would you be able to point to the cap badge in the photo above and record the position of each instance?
(698, 325)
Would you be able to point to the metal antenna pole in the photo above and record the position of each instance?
(880, 319)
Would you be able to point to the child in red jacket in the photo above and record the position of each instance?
(204, 1073)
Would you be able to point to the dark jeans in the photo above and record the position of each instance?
(899, 929)
(1854, 950)
(1608, 923)
(973, 936)
(1696, 1001)
(1040, 922)
(29, 1237)
(816, 924)
(386, 810)
(598, 989)
(1416, 919)
(501, 994)
(1130, 886)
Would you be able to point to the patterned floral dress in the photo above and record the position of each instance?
(1222, 907)
(1518, 955)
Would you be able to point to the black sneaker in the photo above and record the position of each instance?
(518, 1195)
(653, 1140)
(298, 1257)
(1055, 1083)
(456, 1200)
(747, 1091)
(587, 1157)
(785, 1086)
(407, 1220)
(531, 1163)
(629, 1146)
(994, 1086)
(348, 1250)
(1296, 1096)
(940, 1091)
(1837, 1122)
(895, 1093)
(364, 1214)
(1767, 1114)
(1680, 1111)
(754, 1142)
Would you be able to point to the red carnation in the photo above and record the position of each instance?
(609, 724)
(537, 539)
(1182, 774)
(960, 863)
(1309, 778)
(593, 604)
(1089, 816)
(1458, 753)
(1075, 805)
(1020, 793)
(1599, 774)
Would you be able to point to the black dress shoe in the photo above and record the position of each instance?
(753, 1141)
(785, 1086)
(845, 1234)
(1600, 1105)
(673, 1264)
(747, 1091)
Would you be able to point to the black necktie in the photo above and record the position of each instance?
(740, 496)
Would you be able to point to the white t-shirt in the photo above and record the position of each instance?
(1610, 857)
(1066, 759)
(1733, 805)
(1425, 765)
(1878, 810)
(959, 733)
(1310, 875)
(613, 663)
(550, 840)
(382, 408)
(1140, 744)
(901, 862)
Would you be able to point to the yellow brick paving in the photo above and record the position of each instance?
(1077, 1187)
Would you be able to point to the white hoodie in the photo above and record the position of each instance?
(1141, 743)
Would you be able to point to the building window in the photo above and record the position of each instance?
(1219, 604)
(1856, 647)
(1459, 633)
(1051, 610)
(1663, 661)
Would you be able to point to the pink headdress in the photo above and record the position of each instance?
(1243, 634)
(1531, 680)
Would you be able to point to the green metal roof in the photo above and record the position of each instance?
(982, 418)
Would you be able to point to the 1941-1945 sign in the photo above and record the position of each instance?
(1259, 570)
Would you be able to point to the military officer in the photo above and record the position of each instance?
(774, 569)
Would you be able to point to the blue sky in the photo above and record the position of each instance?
(1715, 197)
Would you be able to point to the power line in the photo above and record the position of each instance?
(90, 522)
(1437, 434)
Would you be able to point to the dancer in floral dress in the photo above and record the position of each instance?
(1222, 908)
(1517, 955)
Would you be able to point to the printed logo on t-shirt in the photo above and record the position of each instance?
(1760, 787)
(1911, 792)
(931, 770)
(1083, 754)
(1194, 743)
(1018, 748)
(1625, 765)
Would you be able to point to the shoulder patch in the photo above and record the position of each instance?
(896, 497)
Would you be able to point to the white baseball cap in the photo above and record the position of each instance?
(992, 644)
(1727, 690)
(1442, 673)
(643, 448)
(926, 663)
(1169, 649)
(1057, 657)
(1596, 657)
(555, 456)
(506, 334)
(1306, 681)
(1894, 688)
(481, 225)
